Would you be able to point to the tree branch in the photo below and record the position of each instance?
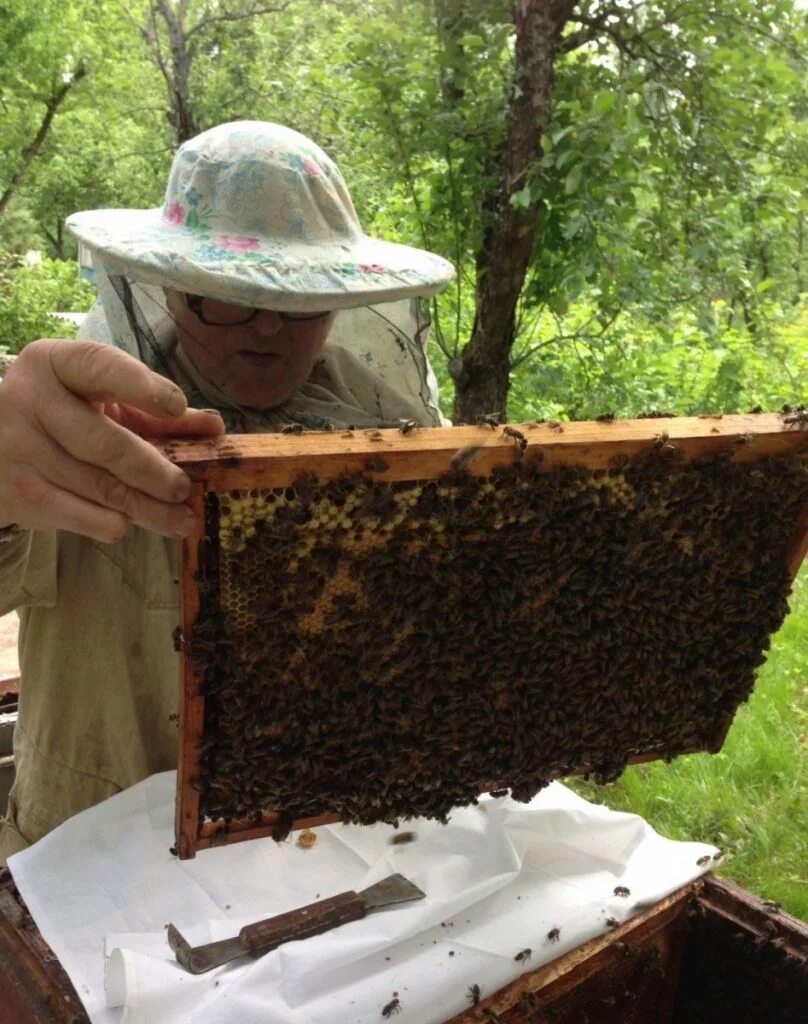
(207, 20)
(34, 147)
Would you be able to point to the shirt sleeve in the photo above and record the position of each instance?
(28, 570)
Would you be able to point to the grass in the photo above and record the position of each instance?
(751, 799)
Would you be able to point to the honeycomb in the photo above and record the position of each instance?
(384, 650)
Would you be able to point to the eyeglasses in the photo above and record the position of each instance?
(214, 313)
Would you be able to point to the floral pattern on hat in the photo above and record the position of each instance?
(237, 243)
(256, 209)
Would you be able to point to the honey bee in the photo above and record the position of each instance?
(394, 1006)
(702, 862)
(490, 419)
(473, 994)
(556, 425)
(374, 435)
(517, 435)
(612, 922)
(403, 838)
(219, 837)
(554, 935)
(462, 457)
(407, 426)
(621, 890)
(605, 417)
(523, 955)
(282, 827)
(292, 428)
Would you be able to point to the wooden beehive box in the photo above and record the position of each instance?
(379, 624)
(708, 954)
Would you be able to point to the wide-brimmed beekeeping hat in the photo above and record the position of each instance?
(256, 214)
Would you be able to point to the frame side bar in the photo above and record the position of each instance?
(191, 697)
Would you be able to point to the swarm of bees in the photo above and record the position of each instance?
(383, 650)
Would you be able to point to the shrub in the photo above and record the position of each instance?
(29, 295)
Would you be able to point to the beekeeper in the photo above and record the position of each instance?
(250, 300)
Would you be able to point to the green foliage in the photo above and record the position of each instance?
(29, 295)
(36, 60)
(583, 364)
(674, 162)
(688, 363)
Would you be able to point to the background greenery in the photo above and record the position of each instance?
(669, 266)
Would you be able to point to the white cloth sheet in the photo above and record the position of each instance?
(498, 878)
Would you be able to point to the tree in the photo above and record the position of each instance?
(177, 33)
(656, 191)
(54, 66)
(669, 165)
(482, 372)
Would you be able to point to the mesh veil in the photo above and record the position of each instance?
(374, 369)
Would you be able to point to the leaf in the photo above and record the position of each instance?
(605, 100)
(521, 200)
(573, 179)
(559, 134)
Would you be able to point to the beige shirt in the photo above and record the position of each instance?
(100, 676)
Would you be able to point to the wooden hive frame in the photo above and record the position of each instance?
(263, 462)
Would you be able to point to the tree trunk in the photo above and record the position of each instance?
(482, 373)
(174, 63)
(57, 239)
